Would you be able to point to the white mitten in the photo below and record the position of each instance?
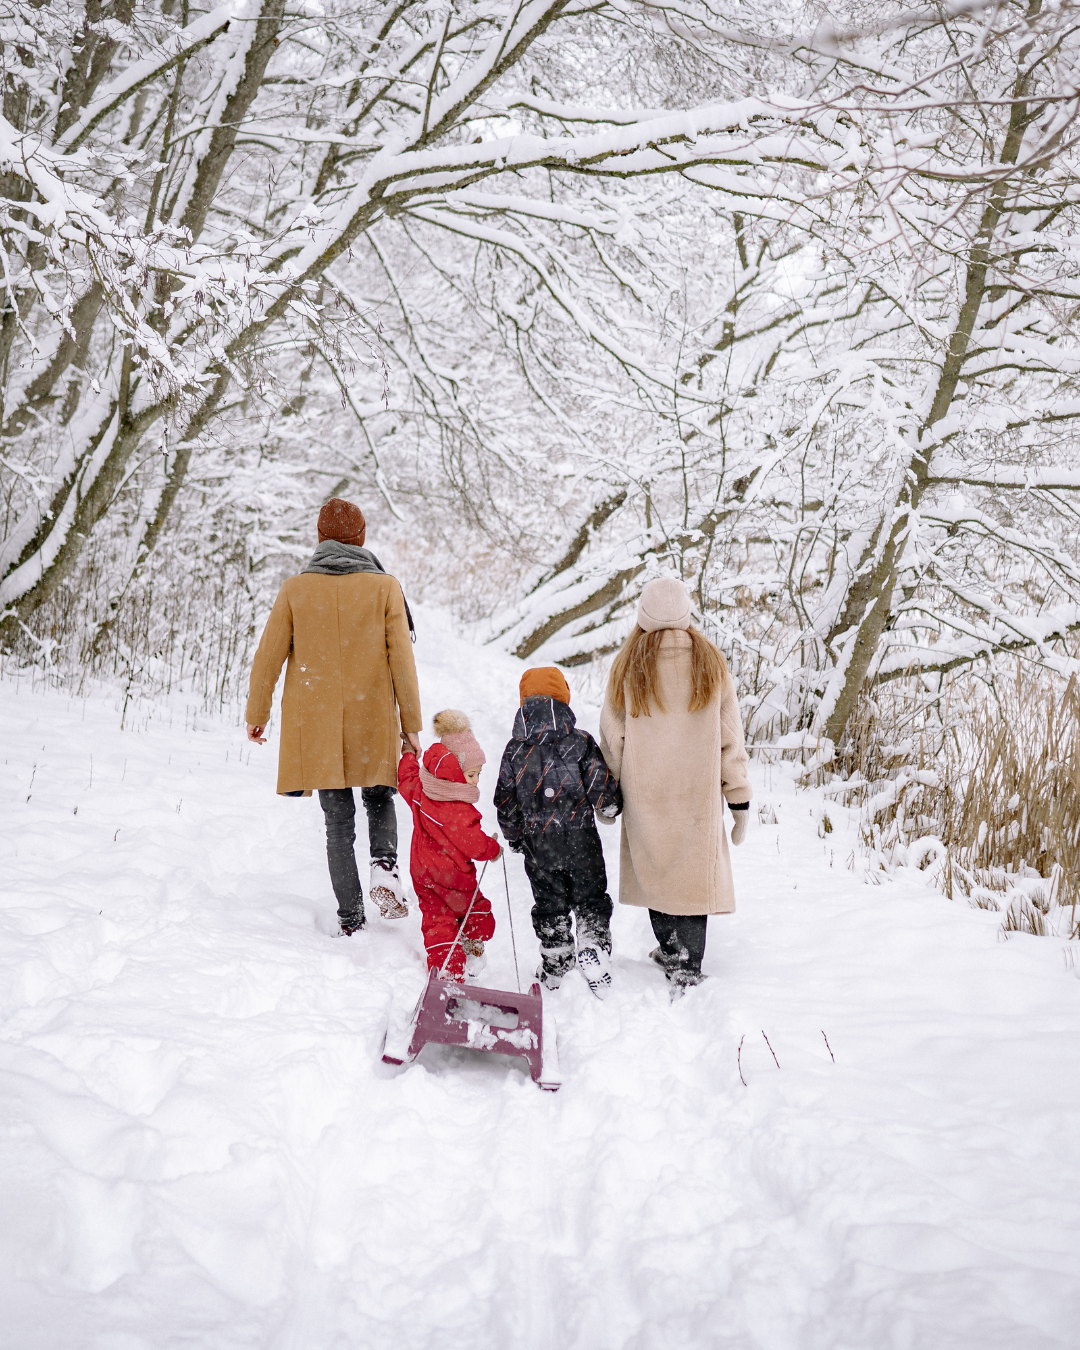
(740, 821)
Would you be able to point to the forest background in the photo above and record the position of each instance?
(568, 294)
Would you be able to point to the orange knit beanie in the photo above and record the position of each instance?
(343, 521)
(544, 682)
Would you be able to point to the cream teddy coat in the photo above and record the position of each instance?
(676, 768)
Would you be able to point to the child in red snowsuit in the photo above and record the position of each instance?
(446, 838)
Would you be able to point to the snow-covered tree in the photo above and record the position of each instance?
(786, 304)
(869, 428)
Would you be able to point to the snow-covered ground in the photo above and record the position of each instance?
(199, 1146)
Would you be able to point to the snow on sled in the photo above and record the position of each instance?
(495, 1020)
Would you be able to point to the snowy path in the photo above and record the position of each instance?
(200, 1148)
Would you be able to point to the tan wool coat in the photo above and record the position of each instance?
(676, 769)
(350, 686)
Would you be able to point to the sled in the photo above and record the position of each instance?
(494, 1020)
(453, 1013)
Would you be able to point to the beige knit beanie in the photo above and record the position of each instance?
(453, 729)
(664, 603)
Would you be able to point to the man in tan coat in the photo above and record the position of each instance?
(350, 699)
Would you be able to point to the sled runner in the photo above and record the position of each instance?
(449, 1013)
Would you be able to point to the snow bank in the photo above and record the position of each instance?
(200, 1147)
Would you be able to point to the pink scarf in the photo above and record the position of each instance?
(442, 790)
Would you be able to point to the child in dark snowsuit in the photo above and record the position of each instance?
(446, 838)
(552, 778)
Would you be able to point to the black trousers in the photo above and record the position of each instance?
(339, 808)
(568, 878)
(681, 938)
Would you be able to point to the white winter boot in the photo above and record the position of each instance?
(386, 889)
(595, 964)
(475, 957)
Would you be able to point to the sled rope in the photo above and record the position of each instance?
(461, 925)
(510, 916)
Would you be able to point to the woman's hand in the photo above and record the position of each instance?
(740, 821)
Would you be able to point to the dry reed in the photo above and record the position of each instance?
(981, 783)
(181, 623)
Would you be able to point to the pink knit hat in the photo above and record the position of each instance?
(453, 729)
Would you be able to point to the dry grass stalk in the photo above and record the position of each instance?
(184, 623)
(982, 785)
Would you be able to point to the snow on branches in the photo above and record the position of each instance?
(789, 311)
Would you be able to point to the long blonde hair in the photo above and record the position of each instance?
(634, 671)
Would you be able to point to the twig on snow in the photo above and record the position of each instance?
(738, 1059)
(829, 1048)
(771, 1051)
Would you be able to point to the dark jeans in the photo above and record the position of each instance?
(681, 938)
(339, 808)
(568, 877)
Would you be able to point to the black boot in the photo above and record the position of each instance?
(556, 947)
(682, 945)
(352, 923)
(555, 964)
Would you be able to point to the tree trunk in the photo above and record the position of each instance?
(874, 613)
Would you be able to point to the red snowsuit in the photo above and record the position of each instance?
(446, 837)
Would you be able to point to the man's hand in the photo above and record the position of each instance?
(255, 734)
(412, 740)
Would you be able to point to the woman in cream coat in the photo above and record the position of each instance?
(671, 733)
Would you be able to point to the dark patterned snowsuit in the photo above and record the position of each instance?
(551, 780)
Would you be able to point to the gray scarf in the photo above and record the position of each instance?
(334, 559)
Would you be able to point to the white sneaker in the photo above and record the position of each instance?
(386, 890)
(595, 964)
